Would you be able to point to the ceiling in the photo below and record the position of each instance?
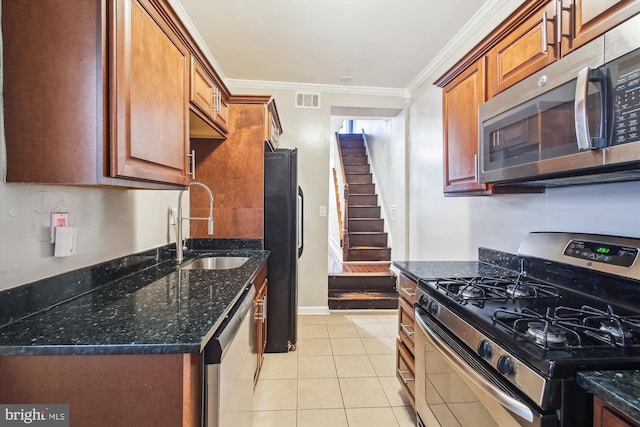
(364, 43)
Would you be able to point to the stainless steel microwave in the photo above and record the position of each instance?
(575, 122)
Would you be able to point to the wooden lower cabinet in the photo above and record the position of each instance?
(145, 390)
(405, 346)
(605, 415)
(260, 319)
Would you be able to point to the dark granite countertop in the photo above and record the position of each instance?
(152, 308)
(617, 388)
(491, 263)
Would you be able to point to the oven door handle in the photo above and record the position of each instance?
(464, 369)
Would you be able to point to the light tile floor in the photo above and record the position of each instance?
(342, 374)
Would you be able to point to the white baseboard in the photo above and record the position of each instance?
(320, 309)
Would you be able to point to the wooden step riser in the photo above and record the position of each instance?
(373, 225)
(353, 152)
(357, 169)
(375, 239)
(347, 283)
(359, 179)
(369, 254)
(354, 160)
(362, 189)
(363, 200)
(351, 143)
(364, 212)
(364, 301)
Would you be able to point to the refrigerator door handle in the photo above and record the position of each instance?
(300, 221)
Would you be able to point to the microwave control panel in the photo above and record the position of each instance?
(627, 98)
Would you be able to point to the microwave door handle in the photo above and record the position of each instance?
(464, 369)
(583, 137)
(581, 118)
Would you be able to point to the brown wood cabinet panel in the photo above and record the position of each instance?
(407, 288)
(406, 324)
(54, 126)
(150, 93)
(92, 98)
(209, 111)
(606, 416)
(461, 98)
(234, 170)
(405, 371)
(108, 390)
(584, 20)
(528, 48)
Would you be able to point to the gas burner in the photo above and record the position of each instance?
(619, 333)
(471, 292)
(519, 291)
(544, 334)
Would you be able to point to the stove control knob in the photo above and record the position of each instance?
(484, 349)
(505, 365)
(432, 307)
(422, 300)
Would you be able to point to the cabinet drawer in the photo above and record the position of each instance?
(405, 371)
(407, 288)
(406, 324)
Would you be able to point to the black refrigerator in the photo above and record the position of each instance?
(283, 236)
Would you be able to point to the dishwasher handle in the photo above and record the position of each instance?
(218, 345)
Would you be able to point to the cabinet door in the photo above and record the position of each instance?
(461, 98)
(150, 88)
(584, 20)
(606, 416)
(528, 48)
(202, 88)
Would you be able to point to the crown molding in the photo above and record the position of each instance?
(489, 15)
(312, 87)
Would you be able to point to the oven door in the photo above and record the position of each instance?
(454, 388)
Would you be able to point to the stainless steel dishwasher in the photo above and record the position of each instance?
(229, 367)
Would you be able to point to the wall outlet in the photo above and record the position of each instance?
(58, 219)
(173, 216)
(323, 211)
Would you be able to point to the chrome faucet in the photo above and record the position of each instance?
(179, 239)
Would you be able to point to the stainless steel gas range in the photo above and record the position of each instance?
(504, 351)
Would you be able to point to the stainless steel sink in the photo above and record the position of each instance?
(215, 263)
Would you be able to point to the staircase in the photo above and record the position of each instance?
(365, 280)
(366, 239)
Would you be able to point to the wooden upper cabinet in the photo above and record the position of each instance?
(209, 109)
(529, 47)
(272, 126)
(461, 98)
(105, 99)
(584, 20)
(151, 75)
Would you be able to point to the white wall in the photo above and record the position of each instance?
(386, 143)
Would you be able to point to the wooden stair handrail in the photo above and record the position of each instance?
(344, 197)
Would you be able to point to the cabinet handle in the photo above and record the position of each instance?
(193, 164)
(409, 292)
(405, 379)
(545, 41)
(406, 329)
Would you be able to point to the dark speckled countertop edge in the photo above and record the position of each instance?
(617, 388)
(39, 332)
